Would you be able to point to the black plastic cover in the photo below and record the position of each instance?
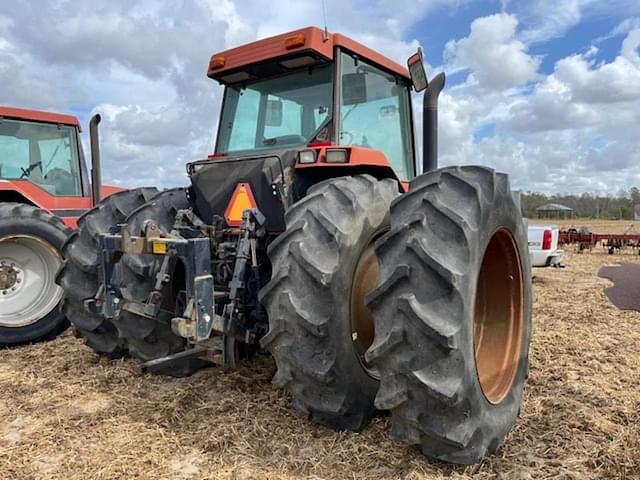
(214, 182)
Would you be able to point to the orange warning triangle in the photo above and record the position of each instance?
(241, 200)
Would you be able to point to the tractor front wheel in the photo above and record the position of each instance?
(319, 328)
(30, 244)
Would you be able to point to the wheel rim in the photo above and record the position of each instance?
(27, 279)
(499, 317)
(365, 279)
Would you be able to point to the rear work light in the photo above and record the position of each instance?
(306, 156)
(546, 240)
(336, 155)
(241, 200)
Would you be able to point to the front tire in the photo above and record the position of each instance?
(311, 333)
(31, 240)
(453, 314)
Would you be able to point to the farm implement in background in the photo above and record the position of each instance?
(44, 188)
(612, 242)
(308, 234)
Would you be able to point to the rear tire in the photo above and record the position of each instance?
(307, 299)
(31, 240)
(79, 274)
(453, 314)
(149, 339)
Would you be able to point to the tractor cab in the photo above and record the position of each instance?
(42, 163)
(43, 151)
(334, 100)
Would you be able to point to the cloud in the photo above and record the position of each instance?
(582, 93)
(622, 29)
(617, 81)
(549, 19)
(142, 65)
(574, 131)
(496, 59)
(545, 20)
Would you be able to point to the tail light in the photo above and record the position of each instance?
(546, 240)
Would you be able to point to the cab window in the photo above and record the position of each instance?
(46, 155)
(284, 111)
(375, 113)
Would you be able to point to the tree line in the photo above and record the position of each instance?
(586, 205)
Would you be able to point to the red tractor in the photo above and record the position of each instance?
(307, 234)
(44, 188)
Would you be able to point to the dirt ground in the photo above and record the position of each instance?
(66, 413)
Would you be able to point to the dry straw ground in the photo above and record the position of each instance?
(67, 414)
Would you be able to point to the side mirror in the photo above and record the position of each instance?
(417, 72)
(354, 88)
(273, 117)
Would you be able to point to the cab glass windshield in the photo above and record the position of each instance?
(46, 155)
(276, 112)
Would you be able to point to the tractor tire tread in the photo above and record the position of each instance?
(78, 275)
(149, 339)
(429, 261)
(308, 290)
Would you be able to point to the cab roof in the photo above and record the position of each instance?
(288, 46)
(38, 116)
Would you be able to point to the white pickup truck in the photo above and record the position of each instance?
(543, 246)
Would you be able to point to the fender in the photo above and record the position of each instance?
(67, 208)
(360, 160)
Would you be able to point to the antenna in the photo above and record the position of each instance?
(324, 16)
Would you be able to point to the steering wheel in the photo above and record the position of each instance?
(30, 168)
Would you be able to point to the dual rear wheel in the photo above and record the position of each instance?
(425, 312)
(135, 275)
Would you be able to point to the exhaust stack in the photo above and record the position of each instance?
(430, 123)
(96, 168)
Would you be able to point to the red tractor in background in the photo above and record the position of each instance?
(44, 188)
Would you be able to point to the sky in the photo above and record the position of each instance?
(545, 90)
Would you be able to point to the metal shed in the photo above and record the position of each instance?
(554, 210)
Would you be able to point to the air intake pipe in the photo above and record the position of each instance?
(430, 123)
(96, 168)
